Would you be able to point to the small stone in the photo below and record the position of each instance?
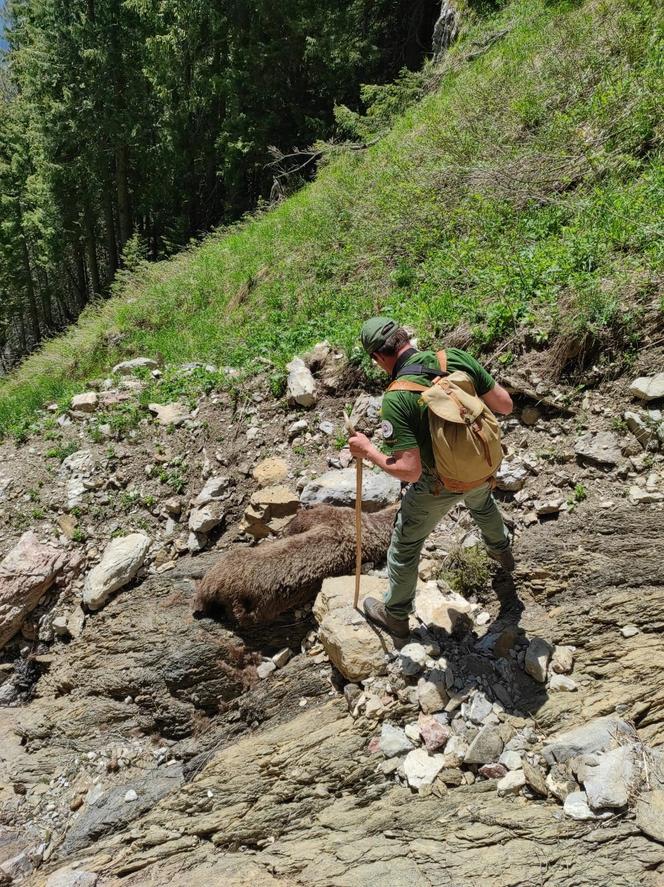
(412, 659)
(60, 626)
(122, 559)
(393, 741)
(412, 731)
(281, 658)
(535, 778)
(480, 708)
(530, 415)
(85, 403)
(265, 669)
(560, 782)
(451, 776)
(421, 768)
(455, 751)
(537, 658)
(128, 366)
(576, 806)
(270, 472)
(562, 683)
(511, 476)
(493, 771)
(548, 506)
(130, 796)
(297, 428)
(300, 385)
(511, 783)
(432, 694)
(170, 414)
(206, 517)
(628, 631)
(434, 734)
(215, 488)
(562, 660)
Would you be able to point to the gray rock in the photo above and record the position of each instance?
(130, 796)
(366, 408)
(650, 814)
(479, 709)
(128, 366)
(300, 385)
(597, 736)
(393, 741)
(511, 759)
(412, 659)
(602, 448)
(170, 413)
(648, 388)
(535, 779)
(206, 518)
(537, 658)
(640, 428)
(486, 747)
(628, 631)
(122, 559)
(265, 669)
(338, 488)
(530, 415)
(456, 750)
(432, 695)
(85, 403)
(608, 784)
(421, 768)
(560, 782)
(215, 488)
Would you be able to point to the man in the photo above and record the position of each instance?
(407, 439)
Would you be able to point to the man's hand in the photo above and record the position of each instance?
(360, 445)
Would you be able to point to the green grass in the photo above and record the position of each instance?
(521, 195)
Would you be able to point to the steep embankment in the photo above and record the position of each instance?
(519, 199)
(516, 202)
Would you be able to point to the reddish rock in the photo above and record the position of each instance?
(493, 771)
(434, 734)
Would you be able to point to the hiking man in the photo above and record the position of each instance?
(407, 438)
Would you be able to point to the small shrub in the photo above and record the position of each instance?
(466, 570)
(61, 453)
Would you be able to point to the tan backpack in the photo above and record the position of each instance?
(464, 432)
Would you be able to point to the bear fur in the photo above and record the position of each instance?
(252, 586)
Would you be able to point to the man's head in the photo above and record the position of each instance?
(383, 339)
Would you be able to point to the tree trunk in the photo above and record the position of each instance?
(109, 224)
(91, 246)
(445, 30)
(122, 184)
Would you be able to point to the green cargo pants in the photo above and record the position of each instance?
(421, 509)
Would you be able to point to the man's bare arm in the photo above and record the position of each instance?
(405, 465)
(498, 400)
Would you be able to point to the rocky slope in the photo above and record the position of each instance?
(142, 746)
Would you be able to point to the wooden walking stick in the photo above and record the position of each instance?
(358, 515)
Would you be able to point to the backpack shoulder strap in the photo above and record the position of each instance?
(442, 360)
(403, 385)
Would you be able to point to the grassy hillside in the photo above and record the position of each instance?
(520, 199)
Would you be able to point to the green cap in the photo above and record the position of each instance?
(376, 331)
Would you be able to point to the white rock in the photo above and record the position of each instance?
(562, 661)
(537, 658)
(300, 385)
(70, 877)
(511, 476)
(443, 611)
(511, 783)
(128, 366)
(393, 741)
(412, 731)
(576, 806)
(511, 760)
(602, 448)
(562, 683)
(456, 750)
(628, 631)
(608, 784)
(130, 796)
(639, 496)
(421, 768)
(122, 559)
(479, 709)
(648, 387)
(281, 658)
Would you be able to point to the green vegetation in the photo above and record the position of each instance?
(61, 453)
(467, 570)
(518, 202)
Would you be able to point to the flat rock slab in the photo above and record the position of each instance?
(356, 647)
(69, 877)
(648, 387)
(338, 488)
(597, 736)
(122, 559)
(25, 574)
(602, 448)
(650, 814)
(170, 413)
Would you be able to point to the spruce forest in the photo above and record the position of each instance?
(129, 128)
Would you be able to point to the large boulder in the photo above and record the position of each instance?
(122, 559)
(300, 386)
(355, 647)
(338, 488)
(25, 574)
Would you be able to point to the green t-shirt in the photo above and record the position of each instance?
(405, 421)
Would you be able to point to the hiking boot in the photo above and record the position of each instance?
(376, 612)
(505, 558)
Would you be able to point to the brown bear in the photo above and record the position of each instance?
(252, 586)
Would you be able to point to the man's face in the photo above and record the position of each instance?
(379, 360)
